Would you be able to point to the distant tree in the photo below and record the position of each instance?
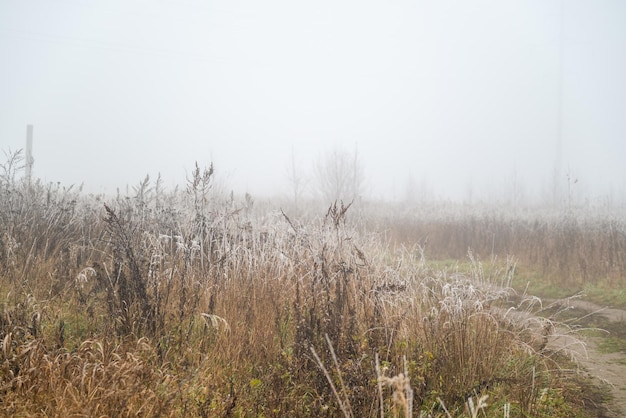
(517, 190)
(469, 191)
(297, 181)
(415, 191)
(410, 190)
(339, 175)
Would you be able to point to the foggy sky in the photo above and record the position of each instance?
(459, 95)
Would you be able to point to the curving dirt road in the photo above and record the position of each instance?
(607, 367)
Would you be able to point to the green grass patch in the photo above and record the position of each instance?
(533, 283)
(606, 293)
(613, 344)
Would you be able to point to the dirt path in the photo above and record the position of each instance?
(607, 367)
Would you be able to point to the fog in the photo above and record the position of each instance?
(462, 99)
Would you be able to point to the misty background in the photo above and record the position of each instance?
(463, 100)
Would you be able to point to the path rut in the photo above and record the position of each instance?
(607, 367)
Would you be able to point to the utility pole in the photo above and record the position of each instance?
(30, 161)
(558, 163)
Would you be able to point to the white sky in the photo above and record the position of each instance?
(453, 93)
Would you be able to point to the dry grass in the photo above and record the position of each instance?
(571, 248)
(208, 307)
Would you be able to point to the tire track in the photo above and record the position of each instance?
(609, 368)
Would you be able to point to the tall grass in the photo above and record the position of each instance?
(190, 303)
(568, 247)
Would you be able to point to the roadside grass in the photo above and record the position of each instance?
(606, 293)
(602, 292)
(527, 280)
(609, 335)
(569, 248)
(613, 344)
(190, 303)
(532, 282)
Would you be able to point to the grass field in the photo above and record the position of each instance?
(190, 303)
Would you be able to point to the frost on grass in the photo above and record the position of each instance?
(191, 302)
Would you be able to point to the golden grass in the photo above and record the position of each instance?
(138, 308)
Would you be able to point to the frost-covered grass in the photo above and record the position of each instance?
(557, 250)
(191, 303)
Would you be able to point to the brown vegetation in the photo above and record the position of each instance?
(188, 304)
(569, 247)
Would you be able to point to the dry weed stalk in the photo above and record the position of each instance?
(402, 393)
(193, 304)
(343, 400)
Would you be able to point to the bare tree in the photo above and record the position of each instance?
(297, 181)
(14, 164)
(10, 196)
(410, 190)
(339, 176)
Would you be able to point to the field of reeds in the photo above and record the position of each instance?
(560, 251)
(187, 302)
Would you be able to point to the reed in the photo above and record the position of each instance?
(190, 303)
